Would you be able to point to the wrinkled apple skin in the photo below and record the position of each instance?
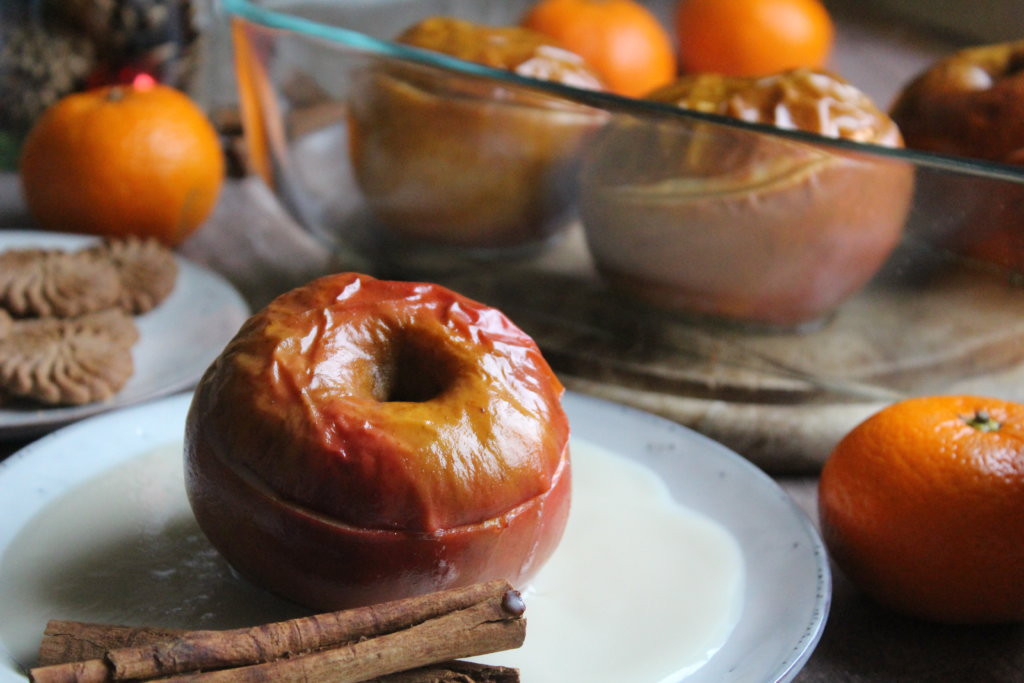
(467, 173)
(362, 440)
(703, 218)
(452, 160)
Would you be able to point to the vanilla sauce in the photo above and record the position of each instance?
(640, 588)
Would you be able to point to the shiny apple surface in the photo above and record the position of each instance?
(361, 440)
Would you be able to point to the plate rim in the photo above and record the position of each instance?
(44, 419)
(808, 641)
(135, 439)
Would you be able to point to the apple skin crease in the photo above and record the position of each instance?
(362, 440)
(783, 251)
(701, 218)
(454, 160)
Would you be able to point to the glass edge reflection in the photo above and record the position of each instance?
(611, 102)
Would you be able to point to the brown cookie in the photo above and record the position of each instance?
(54, 283)
(68, 361)
(147, 269)
(136, 274)
(113, 323)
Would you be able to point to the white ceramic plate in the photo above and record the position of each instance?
(177, 340)
(124, 537)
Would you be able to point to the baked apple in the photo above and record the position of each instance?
(700, 217)
(971, 104)
(362, 440)
(469, 161)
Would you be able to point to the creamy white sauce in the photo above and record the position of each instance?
(640, 589)
(123, 548)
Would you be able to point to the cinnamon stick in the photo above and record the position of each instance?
(74, 641)
(495, 606)
(453, 672)
(92, 640)
(66, 642)
(482, 628)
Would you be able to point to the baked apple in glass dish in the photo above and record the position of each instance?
(699, 217)
(971, 104)
(469, 162)
(363, 440)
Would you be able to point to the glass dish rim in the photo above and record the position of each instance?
(280, 20)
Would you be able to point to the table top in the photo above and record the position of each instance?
(262, 252)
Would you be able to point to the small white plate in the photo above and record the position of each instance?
(156, 567)
(177, 340)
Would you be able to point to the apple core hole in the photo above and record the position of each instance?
(419, 369)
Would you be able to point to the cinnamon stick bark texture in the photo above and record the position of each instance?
(75, 641)
(453, 672)
(351, 645)
(486, 627)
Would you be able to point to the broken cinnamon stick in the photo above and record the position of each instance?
(66, 642)
(479, 629)
(453, 672)
(70, 642)
(437, 619)
(75, 641)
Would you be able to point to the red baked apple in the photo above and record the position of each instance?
(971, 104)
(702, 217)
(361, 440)
(468, 162)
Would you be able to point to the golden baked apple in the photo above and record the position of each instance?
(700, 217)
(469, 161)
(362, 440)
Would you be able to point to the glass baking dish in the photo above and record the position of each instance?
(802, 281)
